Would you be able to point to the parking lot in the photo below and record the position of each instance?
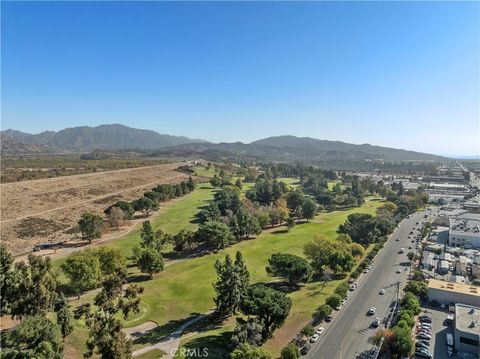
(440, 328)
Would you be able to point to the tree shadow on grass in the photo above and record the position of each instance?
(198, 252)
(280, 231)
(211, 346)
(284, 286)
(136, 278)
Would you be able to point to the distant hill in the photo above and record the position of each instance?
(11, 146)
(81, 139)
(291, 148)
(117, 138)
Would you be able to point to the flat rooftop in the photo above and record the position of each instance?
(454, 287)
(467, 318)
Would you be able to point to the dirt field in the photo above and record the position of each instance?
(47, 210)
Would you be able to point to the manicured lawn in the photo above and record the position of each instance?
(192, 280)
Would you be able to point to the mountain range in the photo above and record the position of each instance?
(85, 138)
(151, 143)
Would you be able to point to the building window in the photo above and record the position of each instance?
(469, 341)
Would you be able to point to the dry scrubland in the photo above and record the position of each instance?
(47, 210)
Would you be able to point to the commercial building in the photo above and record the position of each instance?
(464, 231)
(467, 329)
(448, 292)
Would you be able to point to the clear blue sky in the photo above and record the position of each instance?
(396, 74)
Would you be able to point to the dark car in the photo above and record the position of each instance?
(328, 318)
(423, 354)
(305, 349)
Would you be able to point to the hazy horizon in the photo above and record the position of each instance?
(401, 75)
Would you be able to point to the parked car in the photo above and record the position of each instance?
(424, 336)
(426, 342)
(328, 318)
(382, 291)
(320, 330)
(305, 349)
(424, 317)
(424, 354)
(376, 322)
(420, 346)
(372, 311)
(314, 338)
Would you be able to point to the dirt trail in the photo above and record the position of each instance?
(47, 210)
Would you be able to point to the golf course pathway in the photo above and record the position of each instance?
(169, 344)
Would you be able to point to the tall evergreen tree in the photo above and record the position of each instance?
(232, 280)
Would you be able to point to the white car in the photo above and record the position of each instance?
(314, 338)
(372, 311)
(382, 291)
(399, 271)
(320, 330)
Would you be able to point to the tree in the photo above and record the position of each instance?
(215, 234)
(232, 280)
(410, 302)
(361, 227)
(290, 352)
(417, 288)
(410, 256)
(64, 316)
(342, 289)
(269, 305)
(211, 213)
(105, 328)
(323, 252)
(90, 225)
(309, 208)
(334, 300)
(291, 223)
(403, 341)
(190, 184)
(83, 270)
(149, 261)
(35, 337)
(247, 331)
(308, 331)
(243, 224)
(296, 269)
(150, 239)
(145, 205)
(33, 287)
(6, 260)
(111, 260)
(183, 240)
(357, 250)
(127, 209)
(115, 216)
(323, 311)
(295, 198)
(246, 351)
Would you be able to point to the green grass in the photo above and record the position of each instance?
(184, 288)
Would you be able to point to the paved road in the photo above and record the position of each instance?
(347, 335)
